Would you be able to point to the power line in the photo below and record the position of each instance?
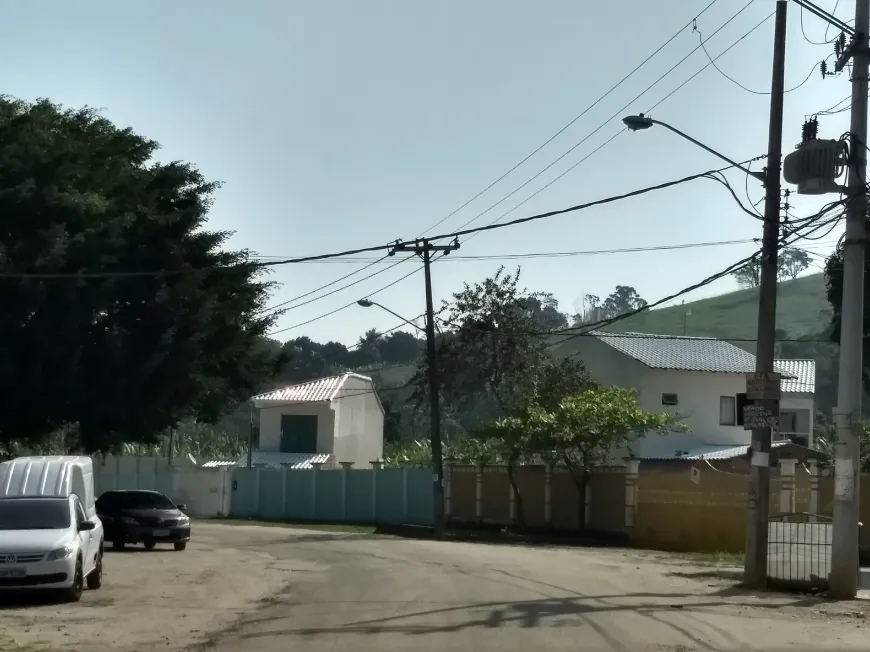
(745, 88)
(538, 149)
(346, 306)
(620, 112)
(589, 135)
(614, 116)
(575, 118)
(587, 252)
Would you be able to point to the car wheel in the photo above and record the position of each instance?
(95, 578)
(74, 593)
(181, 545)
(149, 545)
(118, 544)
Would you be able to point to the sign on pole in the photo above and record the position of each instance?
(763, 387)
(758, 416)
(695, 475)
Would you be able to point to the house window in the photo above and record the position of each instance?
(741, 402)
(727, 411)
(669, 399)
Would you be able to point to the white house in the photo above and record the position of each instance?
(702, 379)
(328, 421)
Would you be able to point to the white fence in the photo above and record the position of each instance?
(206, 492)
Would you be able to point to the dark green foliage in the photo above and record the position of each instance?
(127, 356)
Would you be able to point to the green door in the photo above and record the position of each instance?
(298, 433)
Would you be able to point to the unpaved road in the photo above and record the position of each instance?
(259, 589)
(150, 600)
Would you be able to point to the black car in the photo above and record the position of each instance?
(147, 517)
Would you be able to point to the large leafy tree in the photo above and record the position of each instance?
(151, 320)
(489, 352)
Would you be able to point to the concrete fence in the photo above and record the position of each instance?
(206, 492)
(549, 497)
(348, 495)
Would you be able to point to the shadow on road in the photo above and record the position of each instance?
(553, 612)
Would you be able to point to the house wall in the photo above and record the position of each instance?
(804, 405)
(270, 425)
(698, 402)
(359, 427)
(698, 394)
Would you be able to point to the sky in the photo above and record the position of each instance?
(340, 124)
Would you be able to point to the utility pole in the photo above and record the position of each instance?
(424, 248)
(844, 552)
(763, 388)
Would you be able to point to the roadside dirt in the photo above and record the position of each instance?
(150, 600)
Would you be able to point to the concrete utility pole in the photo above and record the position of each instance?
(844, 553)
(424, 248)
(763, 389)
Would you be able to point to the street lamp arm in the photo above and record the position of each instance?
(758, 175)
(366, 303)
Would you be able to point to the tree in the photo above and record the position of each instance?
(512, 438)
(588, 429)
(791, 262)
(157, 323)
(748, 276)
(489, 353)
(622, 300)
(399, 347)
(543, 311)
(834, 282)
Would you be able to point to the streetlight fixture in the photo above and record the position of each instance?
(762, 387)
(368, 303)
(641, 122)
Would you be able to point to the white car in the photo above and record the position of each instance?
(47, 540)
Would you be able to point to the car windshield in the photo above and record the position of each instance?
(142, 500)
(34, 514)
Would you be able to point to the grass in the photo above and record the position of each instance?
(802, 309)
(320, 527)
(715, 558)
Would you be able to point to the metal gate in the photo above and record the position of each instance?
(799, 551)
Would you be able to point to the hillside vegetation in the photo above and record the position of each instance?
(802, 309)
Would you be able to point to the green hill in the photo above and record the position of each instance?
(802, 308)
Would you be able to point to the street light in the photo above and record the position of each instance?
(764, 390)
(368, 303)
(435, 414)
(641, 122)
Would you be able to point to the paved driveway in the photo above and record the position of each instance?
(356, 593)
(271, 589)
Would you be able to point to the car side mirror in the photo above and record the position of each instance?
(182, 507)
(85, 526)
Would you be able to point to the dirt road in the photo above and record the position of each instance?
(262, 589)
(150, 600)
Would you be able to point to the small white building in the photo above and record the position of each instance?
(328, 421)
(702, 379)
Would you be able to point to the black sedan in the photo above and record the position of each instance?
(147, 517)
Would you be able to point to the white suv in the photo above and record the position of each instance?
(49, 543)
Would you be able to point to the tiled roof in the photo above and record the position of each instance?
(705, 354)
(275, 460)
(799, 376)
(313, 391)
(712, 452)
(683, 353)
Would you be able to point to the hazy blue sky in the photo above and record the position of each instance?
(337, 124)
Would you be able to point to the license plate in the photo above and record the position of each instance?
(13, 572)
(160, 533)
